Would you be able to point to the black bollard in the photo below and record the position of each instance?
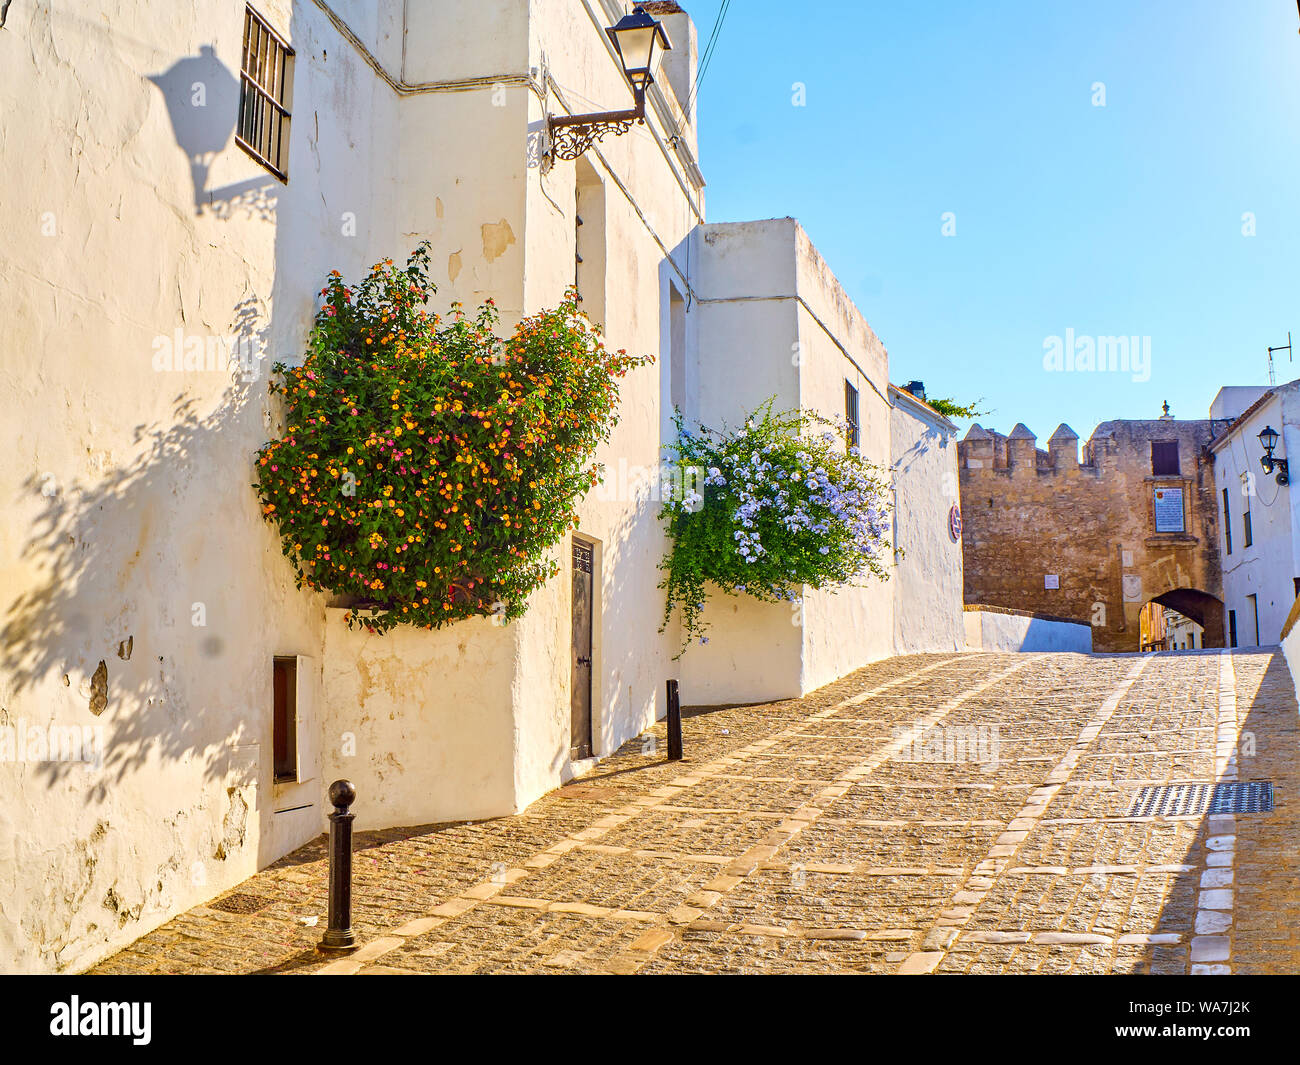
(674, 723)
(339, 935)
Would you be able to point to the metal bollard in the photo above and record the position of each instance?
(339, 935)
(674, 723)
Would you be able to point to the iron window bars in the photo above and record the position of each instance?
(852, 425)
(265, 82)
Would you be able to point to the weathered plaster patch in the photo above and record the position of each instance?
(437, 206)
(497, 236)
(453, 265)
(125, 914)
(234, 827)
(124, 648)
(99, 689)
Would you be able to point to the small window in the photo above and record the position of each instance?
(265, 85)
(1245, 521)
(1227, 524)
(284, 745)
(1164, 458)
(854, 430)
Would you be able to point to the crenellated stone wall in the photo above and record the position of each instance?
(1079, 538)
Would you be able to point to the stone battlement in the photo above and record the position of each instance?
(989, 450)
(986, 450)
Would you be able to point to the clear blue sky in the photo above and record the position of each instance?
(1117, 220)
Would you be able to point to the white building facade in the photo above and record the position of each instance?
(927, 527)
(146, 609)
(1259, 515)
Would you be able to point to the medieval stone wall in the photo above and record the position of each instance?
(1044, 532)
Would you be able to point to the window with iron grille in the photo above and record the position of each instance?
(265, 87)
(851, 415)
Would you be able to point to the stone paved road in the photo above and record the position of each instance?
(929, 814)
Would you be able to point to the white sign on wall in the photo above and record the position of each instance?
(1132, 583)
(1169, 509)
(1051, 580)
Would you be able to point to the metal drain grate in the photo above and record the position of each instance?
(1185, 800)
(238, 902)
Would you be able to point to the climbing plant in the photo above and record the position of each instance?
(427, 467)
(950, 408)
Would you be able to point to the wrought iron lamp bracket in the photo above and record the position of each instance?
(571, 135)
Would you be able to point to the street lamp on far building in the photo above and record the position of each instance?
(1268, 440)
(639, 42)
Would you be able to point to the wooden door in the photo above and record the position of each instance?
(580, 721)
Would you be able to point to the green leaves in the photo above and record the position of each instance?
(772, 506)
(427, 470)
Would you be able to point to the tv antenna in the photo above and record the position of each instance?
(1272, 375)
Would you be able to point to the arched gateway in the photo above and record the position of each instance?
(1096, 540)
(1182, 619)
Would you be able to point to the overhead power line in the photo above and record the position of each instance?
(707, 57)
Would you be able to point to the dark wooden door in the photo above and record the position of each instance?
(580, 722)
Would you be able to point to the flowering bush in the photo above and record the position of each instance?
(428, 469)
(777, 505)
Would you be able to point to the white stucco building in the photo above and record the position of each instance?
(145, 606)
(1259, 517)
(927, 526)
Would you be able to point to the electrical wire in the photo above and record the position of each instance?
(707, 57)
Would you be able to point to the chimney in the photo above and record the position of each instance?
(679, 65)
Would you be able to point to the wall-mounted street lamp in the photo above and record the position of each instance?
(640, 42)
(1268, 439)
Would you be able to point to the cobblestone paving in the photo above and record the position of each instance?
(928, 814)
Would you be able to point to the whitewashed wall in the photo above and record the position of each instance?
(502, 225)
(650, 206)
(423, 722)
(1266, 568)
(993, 630)
(128, 512)
(927, 577)
(774, 322)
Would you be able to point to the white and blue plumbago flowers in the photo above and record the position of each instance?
(782, 506)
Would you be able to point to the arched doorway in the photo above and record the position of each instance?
(1182, 619)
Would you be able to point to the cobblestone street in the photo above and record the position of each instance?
(829, 834)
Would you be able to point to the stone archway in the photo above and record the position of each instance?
(1202, 607)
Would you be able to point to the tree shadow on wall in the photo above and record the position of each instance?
(922, 446)
(202, 98)
(94, 619)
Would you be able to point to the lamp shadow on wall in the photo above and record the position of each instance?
(126, 650)
(202, 98)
